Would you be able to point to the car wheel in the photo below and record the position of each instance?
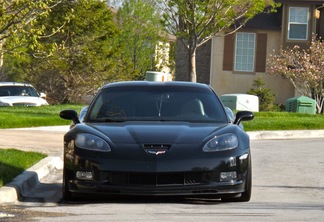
(246, 195)
(67, 195)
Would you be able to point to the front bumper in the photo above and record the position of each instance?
(158, 177)
(80, 187)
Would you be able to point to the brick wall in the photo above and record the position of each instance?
(203, 57)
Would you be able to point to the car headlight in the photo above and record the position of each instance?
(91, 142)
(223, 142)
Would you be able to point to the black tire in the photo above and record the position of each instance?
(67, 195)
(246, 195)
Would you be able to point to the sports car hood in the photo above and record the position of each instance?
(172, 133)
(23, 100)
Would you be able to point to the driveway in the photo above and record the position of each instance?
(48, 140)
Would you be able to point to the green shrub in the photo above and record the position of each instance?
(266, 97)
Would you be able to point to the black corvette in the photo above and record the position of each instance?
(157, 138)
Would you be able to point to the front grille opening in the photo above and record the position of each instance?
(155, 179)
(157, 146)
(170, 179)
(141, 178)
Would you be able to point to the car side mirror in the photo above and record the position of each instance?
(70, 115)
(243, 116)
(42, 95)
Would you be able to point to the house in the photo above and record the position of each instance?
(163, 62)
(231, 63)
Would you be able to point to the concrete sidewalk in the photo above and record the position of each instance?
(28, 180)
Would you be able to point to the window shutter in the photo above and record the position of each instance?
(261, 53)
(228, 58)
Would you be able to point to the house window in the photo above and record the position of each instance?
(244, 52)
(298, 23)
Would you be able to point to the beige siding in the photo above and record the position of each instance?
(225, 82)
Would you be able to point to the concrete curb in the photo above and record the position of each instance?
(29, 179)
(289, 134)
(64, 128)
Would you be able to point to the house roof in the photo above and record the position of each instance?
(266, 20)
(273, 20)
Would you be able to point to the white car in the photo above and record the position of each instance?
(20, 94)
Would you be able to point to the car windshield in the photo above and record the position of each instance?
(156, 104)
(18, 91)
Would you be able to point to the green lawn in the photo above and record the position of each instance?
(18, 117)
(284, 121)
(13, 162)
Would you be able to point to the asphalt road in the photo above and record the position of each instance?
(288, 185)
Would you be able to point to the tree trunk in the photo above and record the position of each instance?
(193, 74)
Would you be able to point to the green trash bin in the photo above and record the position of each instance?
(301, 104)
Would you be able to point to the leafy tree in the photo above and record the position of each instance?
(304, 68)
(140, 25)
(196, 22)
(17, 20)
(86, 60)
(266, 97)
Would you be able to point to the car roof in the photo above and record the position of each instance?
(152, 84)
(14, 84)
